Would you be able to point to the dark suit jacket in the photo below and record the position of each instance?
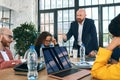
(89, 35)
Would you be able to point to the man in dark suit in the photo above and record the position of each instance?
(83, 30)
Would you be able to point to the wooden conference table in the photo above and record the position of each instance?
(9, 74)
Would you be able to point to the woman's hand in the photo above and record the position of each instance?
(114, 43)
(54, 41)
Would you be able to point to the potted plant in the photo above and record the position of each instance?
(24, 35)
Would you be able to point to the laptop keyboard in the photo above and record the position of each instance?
(66, 72)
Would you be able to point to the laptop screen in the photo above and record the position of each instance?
(56, 59)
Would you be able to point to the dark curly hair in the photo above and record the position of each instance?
(114, 26)
(42, 37)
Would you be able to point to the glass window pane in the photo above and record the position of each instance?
(51, 18)
(65, 3)
(59, 16)
(51, 29)
(101, 1)
(65, 27)
(117, 1)
(105, 40)
(111, 12)
(59, 3)
(71, 3)
(46, 17)
(47, 27)
(109, 1)
(81, 3)
(42, 4)
(60, 29)
(47, 4)
(94, 2)
(71, 15)
(88, 2)
(6, 14)
(53, 4)
(105, 26)
(105, 13)
(42, 28)
(65, 16)
(69, 23)
(94, 13)
(88, 12)
(42, 18)
(117, 10)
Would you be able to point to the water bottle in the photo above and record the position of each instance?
(82, 53)
(32, 63)
(41, 54)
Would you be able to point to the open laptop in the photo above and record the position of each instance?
(59, 66)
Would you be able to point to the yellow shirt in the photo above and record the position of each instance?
(103, 71)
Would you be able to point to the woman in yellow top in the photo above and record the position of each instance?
(102, 70)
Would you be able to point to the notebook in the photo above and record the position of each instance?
(59, 66)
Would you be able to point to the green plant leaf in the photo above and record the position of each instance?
(24, 35)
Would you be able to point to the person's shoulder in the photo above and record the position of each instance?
(74, 22)
(88, 19)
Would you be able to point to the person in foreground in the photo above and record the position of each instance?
(6, 58)
(101, 69)
(83, 30)
(44, 40)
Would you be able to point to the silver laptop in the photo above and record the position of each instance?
(59, 66)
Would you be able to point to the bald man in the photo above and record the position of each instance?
(6, 58)
(84, 31)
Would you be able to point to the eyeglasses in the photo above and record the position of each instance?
(9, 36)
(48, 40)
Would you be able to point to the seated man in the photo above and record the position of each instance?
(6, 58)
(101, 70)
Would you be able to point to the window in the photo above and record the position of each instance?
(57, 15)
(5, 17)
(109, 14)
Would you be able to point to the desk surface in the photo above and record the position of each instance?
(8, 74)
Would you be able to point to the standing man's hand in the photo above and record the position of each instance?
(92, 53)
(64, 37)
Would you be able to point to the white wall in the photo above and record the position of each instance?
(22, 11)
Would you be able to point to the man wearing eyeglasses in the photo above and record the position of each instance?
(6, 58)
